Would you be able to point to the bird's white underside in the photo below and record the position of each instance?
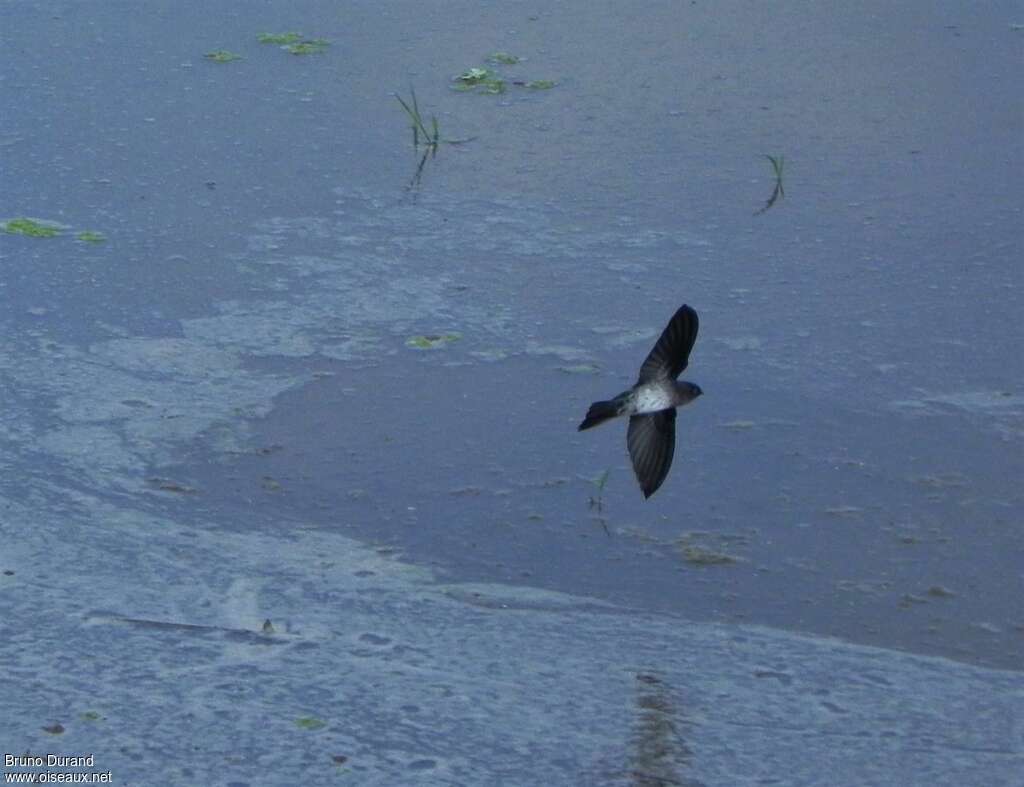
(652, 400)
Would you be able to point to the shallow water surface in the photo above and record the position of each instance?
(294, 383)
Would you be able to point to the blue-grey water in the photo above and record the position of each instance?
(253, 532)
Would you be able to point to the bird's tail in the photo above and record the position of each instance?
(600, 412)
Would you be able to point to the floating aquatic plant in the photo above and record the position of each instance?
(295, 43)
(473, 76)
(504, 58)
(777, 165)
(222, 56)
(429, 137)
(89, 236)
(698, 554)
(482, 79)
(312, 46)
(279, 38)
(432, 341)
(580, 368)
(31, 228)
(486, 80)
(599, 481)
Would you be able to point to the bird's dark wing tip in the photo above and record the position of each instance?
(671, 353)
(651, 486)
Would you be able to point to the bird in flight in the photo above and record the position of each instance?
(651, 403)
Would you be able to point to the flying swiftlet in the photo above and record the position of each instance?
(651, 403)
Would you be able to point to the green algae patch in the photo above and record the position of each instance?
(312, 46)
(280, 38)
(539, 84)
(502, 58)
(309, 723)
(700, 556)
(222, 56)
(696, 550)
(88, 236)
(31, 228)
(432, 341)
(295, 43)
(580, 368)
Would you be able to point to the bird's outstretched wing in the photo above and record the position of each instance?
(672, 351)
(652, 441)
